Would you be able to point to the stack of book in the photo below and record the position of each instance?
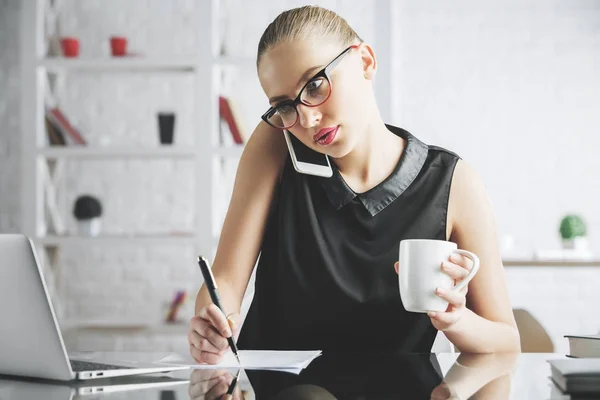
(579, 374)
(584, 345)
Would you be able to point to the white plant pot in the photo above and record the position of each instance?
(578, 244)
(89, 227)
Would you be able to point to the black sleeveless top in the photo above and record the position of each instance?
(325, 279)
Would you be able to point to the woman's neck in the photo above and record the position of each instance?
(374, 158)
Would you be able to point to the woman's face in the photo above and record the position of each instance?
(334, 127)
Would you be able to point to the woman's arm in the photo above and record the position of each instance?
(239, 244)
(488, 324)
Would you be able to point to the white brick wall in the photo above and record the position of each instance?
(512, 86)
(9, 116)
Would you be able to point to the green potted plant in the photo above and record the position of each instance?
(573, 232)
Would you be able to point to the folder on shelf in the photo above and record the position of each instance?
(230, 114)
(55, 136)
(60, 121)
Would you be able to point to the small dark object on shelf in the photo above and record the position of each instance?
(87, 207)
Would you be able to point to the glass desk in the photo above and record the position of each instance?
(328, 377)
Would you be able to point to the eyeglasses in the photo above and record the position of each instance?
(314, 93)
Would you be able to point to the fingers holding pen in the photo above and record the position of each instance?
(206, 330)
(215, 317)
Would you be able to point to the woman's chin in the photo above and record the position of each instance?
(340, 151)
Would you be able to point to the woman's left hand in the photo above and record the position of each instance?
(457, 267)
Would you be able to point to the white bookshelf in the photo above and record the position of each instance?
(229, 151)
(203, 65)
(136, 64)
(84, 152)
(38, 157)
(235, 61)
(116, 240)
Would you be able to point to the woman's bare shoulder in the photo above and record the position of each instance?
(266, 147)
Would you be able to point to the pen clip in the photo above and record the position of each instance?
(207, 271)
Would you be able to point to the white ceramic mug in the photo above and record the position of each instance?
(420, 273)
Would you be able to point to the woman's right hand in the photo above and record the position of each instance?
(208, 333)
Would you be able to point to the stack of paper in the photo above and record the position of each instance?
(288, 361)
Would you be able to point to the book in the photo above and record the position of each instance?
(55, 136)
(584, 345)
(175, 306)
(230, 115)
(59, 120)
(578, 376)
(238, 117)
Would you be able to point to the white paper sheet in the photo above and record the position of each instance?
(290, 361)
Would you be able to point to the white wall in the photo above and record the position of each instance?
(512, 86)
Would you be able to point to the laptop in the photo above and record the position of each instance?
(31, 343)
(146, 386)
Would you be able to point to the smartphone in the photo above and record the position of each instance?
(307, 160)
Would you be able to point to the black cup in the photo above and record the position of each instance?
(166, 126)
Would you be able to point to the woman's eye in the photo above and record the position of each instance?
(285, 110)
(314, 85)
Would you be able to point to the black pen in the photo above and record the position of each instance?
(211, 285)
(234, 382)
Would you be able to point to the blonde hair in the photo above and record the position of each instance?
(307, 22)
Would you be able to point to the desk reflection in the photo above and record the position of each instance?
(215, 384)
(329, 377)
(478, 376)
(359, 376)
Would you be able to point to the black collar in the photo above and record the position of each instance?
(376, 199)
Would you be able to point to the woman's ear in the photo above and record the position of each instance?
(369, 62)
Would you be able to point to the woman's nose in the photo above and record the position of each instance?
(309, 116)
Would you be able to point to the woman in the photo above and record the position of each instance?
(329, 246)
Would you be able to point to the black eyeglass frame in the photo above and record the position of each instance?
(298, 100)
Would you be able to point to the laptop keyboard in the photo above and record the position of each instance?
(79, 366)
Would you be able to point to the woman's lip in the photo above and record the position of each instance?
(322, 132)
(328, 138)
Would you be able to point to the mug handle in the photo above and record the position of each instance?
(473, 271)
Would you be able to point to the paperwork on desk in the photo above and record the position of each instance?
(288, 361)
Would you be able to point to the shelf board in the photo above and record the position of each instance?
(57, 152)
(230, 151)
(235, 61)
(166, 239)
(123, 327)
(550, 263)
(119, 64)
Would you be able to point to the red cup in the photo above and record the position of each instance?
(70, 46)
(118, 45)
